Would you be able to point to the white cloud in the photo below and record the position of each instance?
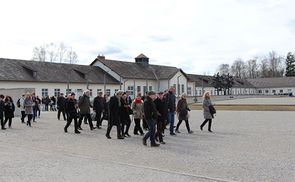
(196, 35)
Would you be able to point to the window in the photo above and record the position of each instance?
(273, 91)
(200, 92)
(138, 88)
(266, 91)
(150, 88)
(108, 91)
(131, 90)
(189, 91)
(260, 91)
(182, 88)
(68, 91)
(98, 90)
(144, 89)
(90, 92)
(56, 92)
(116, 90)
(281, 91)
(44, 92)
(79, 91)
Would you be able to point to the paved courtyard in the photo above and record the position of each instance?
(245, 146)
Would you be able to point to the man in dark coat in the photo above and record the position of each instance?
(114, 114)
(84, 105)
(162, 114)
(72, 107)
(98, 108)
(61, 106)
(171, 109)
(150, 113)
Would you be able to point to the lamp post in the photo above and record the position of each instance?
(178, 86)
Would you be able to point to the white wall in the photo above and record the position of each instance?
(180, 79)
(38, 86)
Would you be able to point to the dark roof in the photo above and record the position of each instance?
(35, 71)
(205, 81)
(134, 70)
(273, 82)
(141, 56)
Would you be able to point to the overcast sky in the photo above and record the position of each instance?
(195, 35)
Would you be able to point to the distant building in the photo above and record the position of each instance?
(274, 86)
(108, 76)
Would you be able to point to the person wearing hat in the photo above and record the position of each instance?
(72, 107)
(61, 106)
(150, 113)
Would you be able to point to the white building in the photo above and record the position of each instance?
(140, 76)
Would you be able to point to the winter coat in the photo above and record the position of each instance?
(137, 107)
(162, 110)
(28, 104)
(206, 110)
(1, 108)
(150, 111)
(84, 105)
(114, 111)
(98, 104)
(61, 103)
(182, 109)
(171, 100)
(9, 110)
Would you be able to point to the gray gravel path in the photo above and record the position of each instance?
(245, 146)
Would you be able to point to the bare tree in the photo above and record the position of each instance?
(72, 57)
(51, 52)
(275, 65)
(61, 52)
(223, 69)
(252, 68)
(55, 53)
(238, 68)
(39, 53)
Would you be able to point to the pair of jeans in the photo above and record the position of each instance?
(151, 133)
(23, 116)
(170, 119)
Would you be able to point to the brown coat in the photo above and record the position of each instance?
(181, 108)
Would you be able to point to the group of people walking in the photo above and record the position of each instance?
(152, 112)
(28, 105)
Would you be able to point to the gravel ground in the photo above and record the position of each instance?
(245, 146)
(260, 101)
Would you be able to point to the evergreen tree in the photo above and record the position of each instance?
(290, 64)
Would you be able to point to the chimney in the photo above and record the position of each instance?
(101, 57)
(142, 59)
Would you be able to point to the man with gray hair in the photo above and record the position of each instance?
(114, 114)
